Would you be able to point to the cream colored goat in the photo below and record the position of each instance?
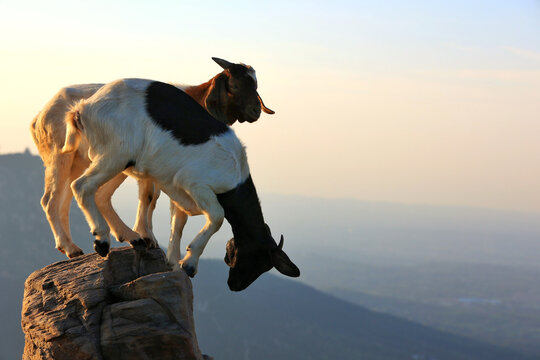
(229, 96)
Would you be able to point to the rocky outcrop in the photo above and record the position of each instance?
(127, 306)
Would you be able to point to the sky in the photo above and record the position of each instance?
(429, 102)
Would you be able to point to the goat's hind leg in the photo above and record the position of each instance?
(151, 208)
(148, 194)
(85, 188)
(56, 200)
(178, 221)
(103, 200)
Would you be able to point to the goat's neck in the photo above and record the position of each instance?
(199, 92)
(243, 211)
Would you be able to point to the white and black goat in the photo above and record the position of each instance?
(153, 130)
(229, 96)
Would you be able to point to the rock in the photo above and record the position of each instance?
(126, 306)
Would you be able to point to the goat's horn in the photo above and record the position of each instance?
(263, 107)
(280, 245)
(223, 63)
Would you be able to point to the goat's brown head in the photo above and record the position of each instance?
(247, 263)
(233, 94)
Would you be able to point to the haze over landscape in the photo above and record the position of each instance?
(402, 165)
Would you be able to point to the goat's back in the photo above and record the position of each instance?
(48, 128)
(166, 133)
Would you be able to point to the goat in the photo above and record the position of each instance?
(164, 135)
(229, 96)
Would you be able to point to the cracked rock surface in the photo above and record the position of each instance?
(126, 306)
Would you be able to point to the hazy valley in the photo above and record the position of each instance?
(470, 272)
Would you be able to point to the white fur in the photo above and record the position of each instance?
(118, 130)
(49, 132)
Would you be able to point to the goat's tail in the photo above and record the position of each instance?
(73, 131)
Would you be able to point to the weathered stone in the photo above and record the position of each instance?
(126, 306)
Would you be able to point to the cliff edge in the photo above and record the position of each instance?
(127, 306)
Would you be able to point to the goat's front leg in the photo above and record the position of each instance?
(103, 200)
(147, 202)
(208, 204)
(85, 188)
(178, 221)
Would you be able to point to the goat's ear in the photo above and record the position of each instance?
(223, 63)
(283, 264)
(263, 107)
(268, 229)
(217, 98)
(230, 254)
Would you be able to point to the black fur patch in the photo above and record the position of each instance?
(130, 164)
(243, 211)
(172, 109)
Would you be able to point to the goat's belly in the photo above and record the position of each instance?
(140, 174)
(182, 199)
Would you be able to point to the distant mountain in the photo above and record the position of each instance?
(27, 243)
(281, 319)
(23, 224)
(273, 319)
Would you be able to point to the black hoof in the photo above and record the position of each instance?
(190, 270)
(150, 244)
(101, 247)
(138, 244)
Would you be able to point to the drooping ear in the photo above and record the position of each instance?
(283, 264)
(263, 107)
(217, 99)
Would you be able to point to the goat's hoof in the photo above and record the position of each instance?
(75, 254)
(190, 270)
(138, 244)
(101, 247)
(151, 243)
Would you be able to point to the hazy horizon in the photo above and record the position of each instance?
(417, 103)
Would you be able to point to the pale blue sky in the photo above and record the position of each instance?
(420, 101)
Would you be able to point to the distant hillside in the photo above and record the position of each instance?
(281, 319)
(273, 319)
(22, 221)
(27, 241)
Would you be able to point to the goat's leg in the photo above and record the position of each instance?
(152, 206)
(56, 192)
(85, 188)
(207, 202)
(65, 207)
(143, 224)
(103, 200)
(178, 221)
(77, 168)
